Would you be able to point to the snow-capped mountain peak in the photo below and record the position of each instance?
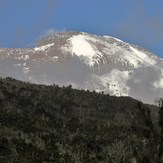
(87, 61)
(92, 49)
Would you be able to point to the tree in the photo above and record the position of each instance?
(160, 155)
(158, 102)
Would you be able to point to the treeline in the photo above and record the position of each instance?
(49, 124)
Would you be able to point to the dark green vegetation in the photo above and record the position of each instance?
(48, 124)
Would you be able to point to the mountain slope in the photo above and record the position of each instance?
(87, 61)
(41, 123)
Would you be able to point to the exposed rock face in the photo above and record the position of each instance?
(87, 61)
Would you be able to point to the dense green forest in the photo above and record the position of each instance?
(49, 124)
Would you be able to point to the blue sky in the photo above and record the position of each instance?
(139, 22)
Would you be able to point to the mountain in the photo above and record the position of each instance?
(86, 61)
(49, 124)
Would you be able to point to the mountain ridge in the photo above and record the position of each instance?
(40, 123)
(88, 61)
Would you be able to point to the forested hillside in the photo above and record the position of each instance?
(49, 124)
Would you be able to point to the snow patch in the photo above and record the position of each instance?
(23, 57)
(81, 47)
(55, 58)
(26, 57)
(44, 47)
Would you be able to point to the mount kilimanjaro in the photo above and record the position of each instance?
(90, 62)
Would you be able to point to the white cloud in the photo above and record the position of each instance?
(48, 32)
(53, 31)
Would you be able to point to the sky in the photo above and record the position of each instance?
(140, 22)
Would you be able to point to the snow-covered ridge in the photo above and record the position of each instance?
(142, 56)
(92, 49)
(44, 47)
(110, 37)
